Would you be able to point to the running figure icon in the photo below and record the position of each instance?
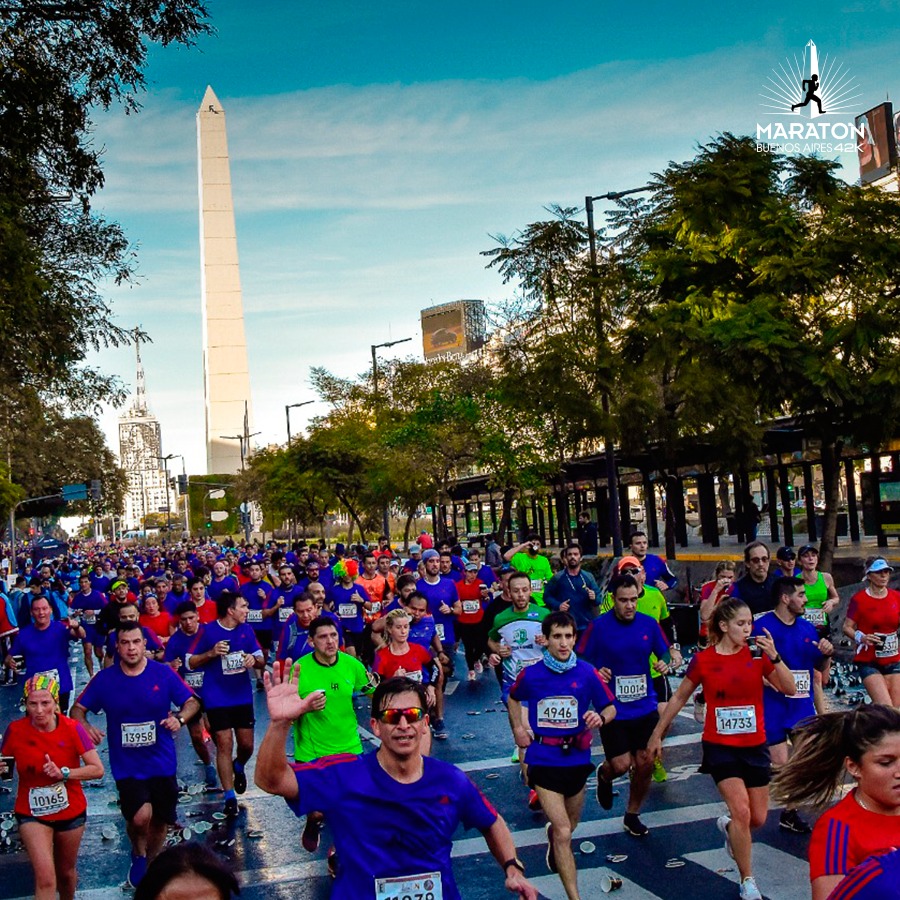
(810, 85)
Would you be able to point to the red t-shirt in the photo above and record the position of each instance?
(207, 612)
(876, 615)
(846, 834)
(472, 606)
(158, 624)
(733, 689)
(413, 661)
(40, 796)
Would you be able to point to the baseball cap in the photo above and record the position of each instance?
(430, 554)
(471, 567)
(785, 553)
(414, 548)
(808, 548)
(879, 565)
(628, 562)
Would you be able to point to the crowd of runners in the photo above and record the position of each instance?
(182, 637)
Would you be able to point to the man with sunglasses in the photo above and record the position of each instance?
(393, 812)
(755, 586)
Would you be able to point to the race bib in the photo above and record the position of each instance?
(376, 608)
(414, 676)
(347, 610)
(557, 712)
(888, 645)
(193, 680)
(470, 606)
(801, 678)
(815, 616)
(45, 801)
(233, 663)
(736, 720)
(138, 734)
(631, 687)
(537, 584)
(89, 616)
(439, 629)
(284, 613)
(426, 886)
(254, 616)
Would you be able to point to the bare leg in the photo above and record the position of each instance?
(38, 841)
(747, 808)
(877, 687)
(65, 856)
(563, 815)
(224, 747)
(640, 782)
(139, 830)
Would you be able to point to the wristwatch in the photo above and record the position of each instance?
(180, 719)
(66, 771)
(515, 861)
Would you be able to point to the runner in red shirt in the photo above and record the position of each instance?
(400, 657)
(53, 755)
(866, 743)
(156, 620)
(474, 596)
(734, 733)
(873, 618)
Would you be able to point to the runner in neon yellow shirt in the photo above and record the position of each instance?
(527, 558)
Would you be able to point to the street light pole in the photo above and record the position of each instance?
(385, 513)
(245, 516)
(609, 452)
(287, 415)
(165, 460)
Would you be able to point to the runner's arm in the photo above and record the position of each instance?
(273, 773)
(503, 849)
(672, 708)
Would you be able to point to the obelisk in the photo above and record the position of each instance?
(226, 375)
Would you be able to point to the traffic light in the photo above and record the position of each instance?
(182, 485)
(96, 490)
(209, 524)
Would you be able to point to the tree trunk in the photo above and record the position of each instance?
(409, 521)
(831, 474)
(505, 516)
(349, 530)
(671, 487)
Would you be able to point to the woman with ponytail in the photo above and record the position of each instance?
(865, 743)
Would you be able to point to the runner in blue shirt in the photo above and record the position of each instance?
(88, 603)
(393, 813)
(805, 653)
(282, 598)
(221, 581)
(261, 613)
(294, 641)
(619, 644)
(128, 613)
(177, 651)
(347, 600)
(226, 652)
(45, 646)
(137, 695)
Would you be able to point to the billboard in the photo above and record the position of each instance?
(443, 330)
(877, 146)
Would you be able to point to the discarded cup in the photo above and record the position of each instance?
(616, 858)
(675, 863)
(610, 883)
(108, 832)
(186, 834)
(219, 816)
(491, 776)
(587, 846)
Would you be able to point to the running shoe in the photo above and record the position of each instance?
(439, 730)
(634, 826)
(604, 790)
(791, 821)
(722, 824)
(749, 890)
(240, 778)
(515, 755)
(231, 808)
(332, 863)
(138, 870)
(659, 772)
(534, 802)
(551, 855)
(311, 832)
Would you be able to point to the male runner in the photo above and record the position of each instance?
(657, 571)
(227, 651)
(88, 603)
(393, 812)
(619, 645)
(137, 696)
(527, 558)
(573, 590)
(560, 691)
(260, 612)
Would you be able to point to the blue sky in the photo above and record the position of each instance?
(376, 147)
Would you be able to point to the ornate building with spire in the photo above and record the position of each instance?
(140, 449)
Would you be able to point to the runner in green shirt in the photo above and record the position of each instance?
(527, 558)
(330, 727)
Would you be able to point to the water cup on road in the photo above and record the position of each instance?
(610, 883)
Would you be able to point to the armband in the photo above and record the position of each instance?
(859, 637)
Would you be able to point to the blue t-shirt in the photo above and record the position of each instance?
(625, 648)
(89, 605)
(384, 829)
(422, 632)
(798, 646)
(436, 594)
(46, 651)
(557, 702)
(876, 878)
(294, 641)
(286, 610)
(216, 588)
(226, 682)
(250, 592)
(135, 705)
(181, 646)
(347, 603)
(172, 600)
(655, 569)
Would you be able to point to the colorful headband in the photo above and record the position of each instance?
(42, 682)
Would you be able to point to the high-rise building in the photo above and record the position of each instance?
(226, 375)
(140, 449)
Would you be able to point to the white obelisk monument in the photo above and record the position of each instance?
(226, 375)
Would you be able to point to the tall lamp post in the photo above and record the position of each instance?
(245, 511)
(287, 415)
(165, 462)
(609, 452)
(385, 513)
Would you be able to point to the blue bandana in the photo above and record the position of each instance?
(558, 666)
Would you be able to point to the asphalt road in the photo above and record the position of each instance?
(264, 843)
